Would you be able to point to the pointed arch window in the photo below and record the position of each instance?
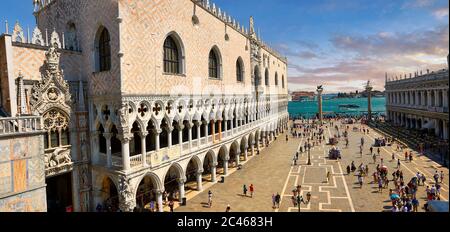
(104, 51)
(213, 65)
(56, 125)
(276, 79)
(266, 77)
(239, 70)
(282, 82)
(172, 63)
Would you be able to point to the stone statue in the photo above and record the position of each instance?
(52, 94)
(123, 115)
(57, 158)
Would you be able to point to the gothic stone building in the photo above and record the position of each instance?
(134, 99)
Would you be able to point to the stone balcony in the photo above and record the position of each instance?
(437, 109)
(10, 127)
(154, 159)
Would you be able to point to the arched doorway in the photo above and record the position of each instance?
(209, 167)
(194, 175)
(251, 143)
(172, 183)
(223, 161)
(235, 154)
(109, 196)
(146, 193)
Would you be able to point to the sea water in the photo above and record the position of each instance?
(331, 106)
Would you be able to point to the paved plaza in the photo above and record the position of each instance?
(272, 172)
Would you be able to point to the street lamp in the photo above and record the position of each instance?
(309, 154)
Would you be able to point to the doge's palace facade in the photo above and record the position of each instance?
(141, 99)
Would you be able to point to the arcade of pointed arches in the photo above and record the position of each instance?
(190, 173)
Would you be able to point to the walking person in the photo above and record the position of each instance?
(244, 189)
(436, 177)
(393, 156)
(380, 185)
(415, 204)
(171, 205)
(371, 150)
(277, 200)
(308, 197)
(210, 198)
(442, 177)
(328, 177)
(398, 164)
(374, 157)
(228, 209)
(252, 190)
(360, 180)
(378, 151)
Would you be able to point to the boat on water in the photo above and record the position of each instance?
(349, 106)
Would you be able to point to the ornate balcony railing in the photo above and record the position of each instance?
(20, 125)
(164, 155)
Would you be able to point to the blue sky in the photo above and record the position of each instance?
(338, 43)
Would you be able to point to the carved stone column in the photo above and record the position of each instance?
(213, 131)
(108, 137)
(225, 166)
(159, 200)
(143, 136)
(181, 182)
(199, 180)
(125, 139)
(213, 172)
(127, 201)
(238, 157)
(198, 125)
(190, 125)
(206, 131)
(169, 136)
(157, 143)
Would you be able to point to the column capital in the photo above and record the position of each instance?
(125, 138)
(200, 172)
(189, 125)
(107, 135)
(169, 128)
(181, 180)
(157, 131)
(159, 191)
(143, 134)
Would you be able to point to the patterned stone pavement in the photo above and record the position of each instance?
(272, 172)
(266, 172)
